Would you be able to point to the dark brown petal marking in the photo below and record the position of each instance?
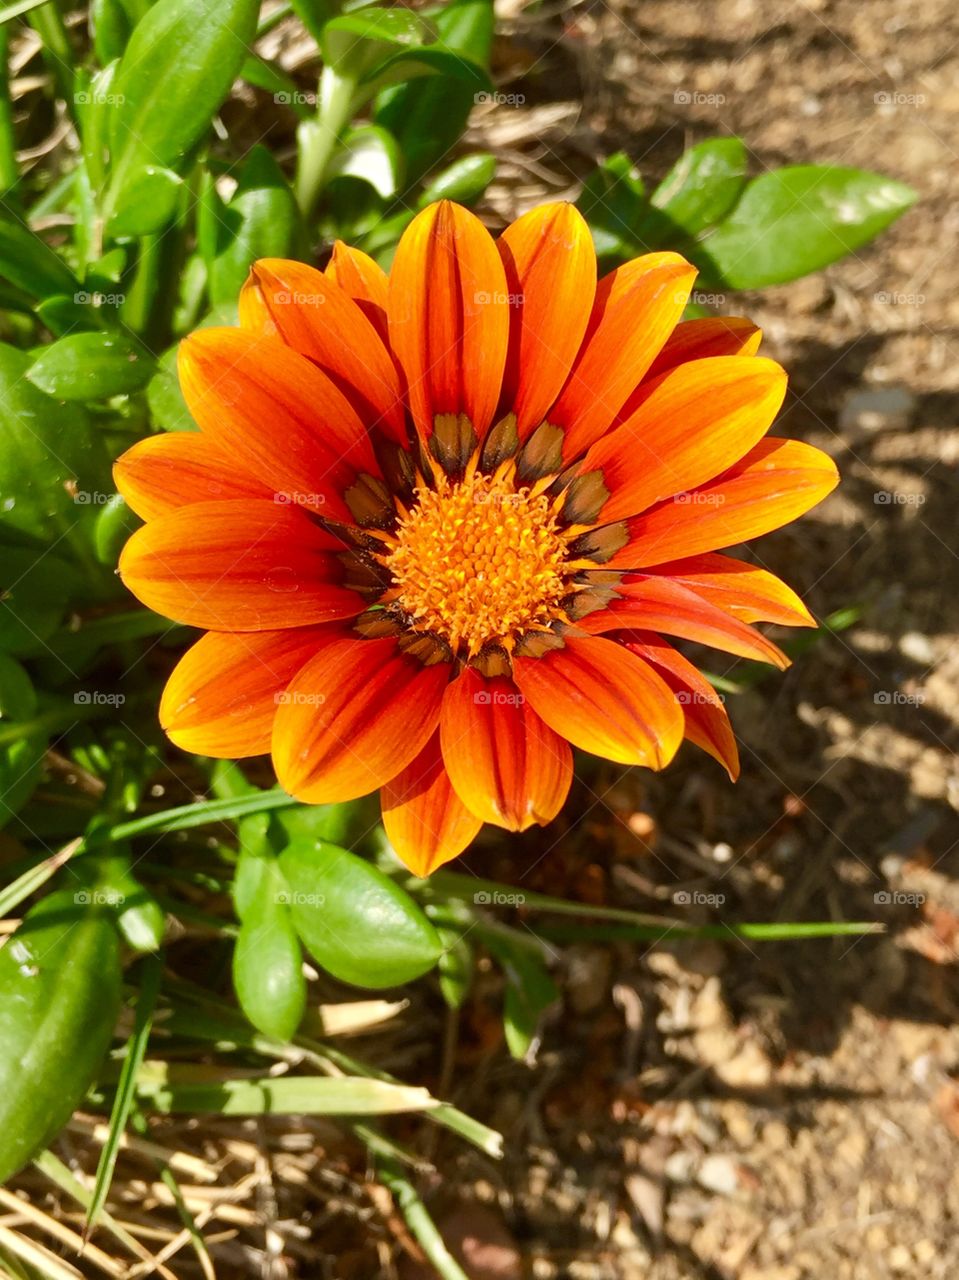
(427, 647)
(542, 454)
(585, 499)
(582, 603)
(453, 442)
(376, 623)
(535, 644)
(492, 661)
(600, 544)
(501, 443)
(361, 573)
(370, 502)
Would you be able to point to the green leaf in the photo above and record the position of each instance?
(613, 203)
(18, 700)
(35, 587)
(111, 27)
(91, 366)
(285, 1095)
(529, 992)
(260, 221)
(114, 524)
(30, 263)
(355, 44)
(267, 961)
(455, 967)
(53, 466)
(354, 920)
(464, 181)
(21, 766)
(703, 185)
(797, 220)
(371, 154)
(59, 1000)
(176, 70)
(148, 203)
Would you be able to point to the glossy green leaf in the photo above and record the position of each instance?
(464, 181)
(149, 202)
(796, 220)
(59, 1001)
(268, 963)
(53, 467)
(91, 366)
(21, 766)
(614, 204)
(260, 221)
(29, 263)
(356, 922)
(176, 70)
(110, 24)
(62, 315)
(18, 699)
(530, 990)
(428, 115)
(354, 44)
(114, 524)
(372, 155)
(703, 185)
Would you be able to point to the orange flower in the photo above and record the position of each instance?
(437, 524)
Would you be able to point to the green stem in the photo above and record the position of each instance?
(9, 172)
(48, 23)
(419, 1221)
(318, 138)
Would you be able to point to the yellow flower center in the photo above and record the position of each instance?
(478, 561)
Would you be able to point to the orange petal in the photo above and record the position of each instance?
(699, 419)
(710, 336)
(167, 471)
(364, 280)
(551, 272)
(354, 718)
(449, 317)
(314, 316)
(636, 308)
(748, 593)
(426, 821)
(604, 700)
(707, 724)
(221, 697)
(775, 482)
(508, 767)
(659, 604)
(252, 309)
(283, 420)
(237, 566)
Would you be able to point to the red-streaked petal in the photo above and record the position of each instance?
(707, 724)
(775, 482)
(699, 419)
(701, 339)
(745, 591)
(354, 718)
(636, 308)
(238, 566)
(426, 821)
(449, 316)
(551, 273)
(277, 414)
(164, 472)
(221, 697)
(364, 280)
(507, 766)
(659, 604)
(317, 318)
(604, 700)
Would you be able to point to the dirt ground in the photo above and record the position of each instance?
(721, 1110)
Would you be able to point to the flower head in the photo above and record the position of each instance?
(437, 525)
